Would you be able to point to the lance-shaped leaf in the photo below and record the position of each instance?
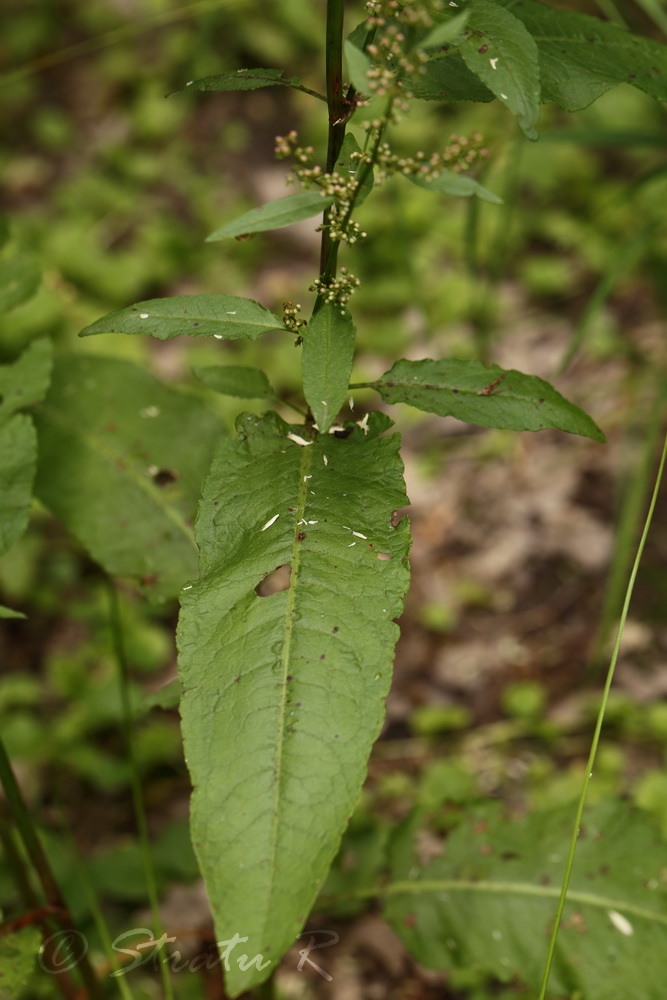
(488, 396)
(446, 32)
(274, 215)
(246, 79)
(235, 380)
(582, 56)
(286, 690)
(458, 185)
(26, 380)
(328, 350)
(489, 901)
(121, 462)
(503, 54)
(358, 65)
(225, 317)
(348, 165)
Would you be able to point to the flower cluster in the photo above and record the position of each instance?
(462, 153)
(335, 185)
(338, 290)
(290, 317)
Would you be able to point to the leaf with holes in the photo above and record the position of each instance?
(486, 900)
(488, 396)
(581, 56)
(503, 54)
(235, 380)
(288, 690)
(225, 317)
(121, 462)
(328, 349)
(274, 215)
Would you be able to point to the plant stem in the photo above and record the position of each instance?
(39, 861)
(139, 811)
(337, 118)
(598, 729)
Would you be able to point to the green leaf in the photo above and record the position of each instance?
(26, 380)
(581, 57)
(246, 79)
(449, 79)
(502, 53)
(458, 185)
(121, 462)
(225, 317)
(489, 901)
(328, 349)
(274, 215)
(348, 167)
(18, 462)
(488, 396)
(358, 65)
(17, 961)
(287, 690)
(10, 613)
(235, 380)
(19, 280)
(446, 33)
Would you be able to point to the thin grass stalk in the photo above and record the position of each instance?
(598, 729)
(135, 781)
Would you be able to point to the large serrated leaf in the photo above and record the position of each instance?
(488, 902)
(121, 462)
(225, 317)
(17, 961)
(274, 215)
(26, 380)
(287, 690)
(18, 462)
(503, 54)
(581, 56)
(328, 350)
(488, 396)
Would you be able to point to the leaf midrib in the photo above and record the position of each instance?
(430, 886)
(288, 631)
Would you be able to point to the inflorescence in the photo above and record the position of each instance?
(394, 60)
